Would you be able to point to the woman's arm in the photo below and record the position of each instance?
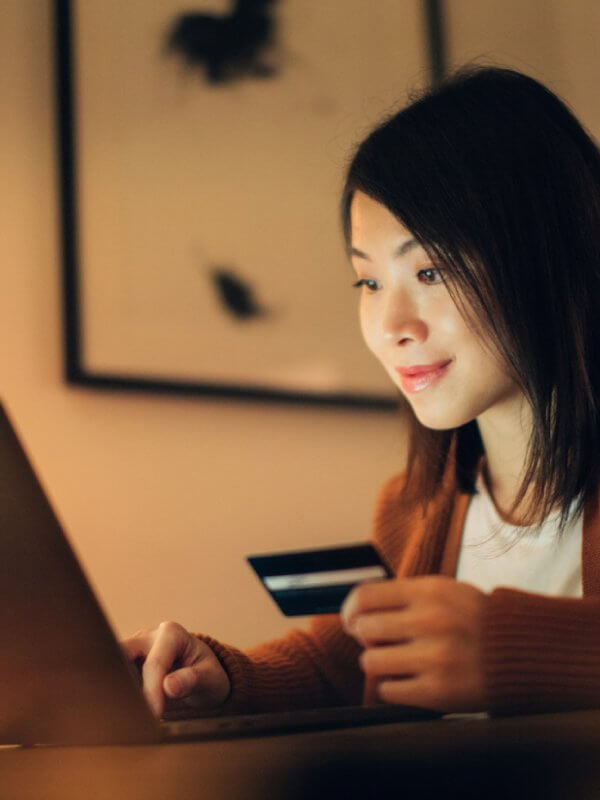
(311, 669)
(435, 642)
(303, 669)
(540, 653)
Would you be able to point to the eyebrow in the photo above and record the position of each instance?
(401, 250)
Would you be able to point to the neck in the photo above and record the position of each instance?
(505, 431)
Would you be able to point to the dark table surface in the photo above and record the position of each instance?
(541, 756)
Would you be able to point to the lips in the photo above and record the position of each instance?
(422, 369)
(418, 377)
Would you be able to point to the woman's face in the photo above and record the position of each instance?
(413, 327)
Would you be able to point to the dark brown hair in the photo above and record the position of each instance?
(496, 178)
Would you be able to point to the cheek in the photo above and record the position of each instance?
(370, 328)
(367, 326)
(451, 327)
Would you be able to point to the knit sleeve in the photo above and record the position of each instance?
(541, 653)
(304, 669)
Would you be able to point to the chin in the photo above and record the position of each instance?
(441, 420)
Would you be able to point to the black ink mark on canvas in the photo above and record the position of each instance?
(228, 46)
(236, 295)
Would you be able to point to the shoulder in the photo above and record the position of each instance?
(396, 518)
(396, 498)
(391, 499)
(403, 521)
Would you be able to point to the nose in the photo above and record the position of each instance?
(402, 322)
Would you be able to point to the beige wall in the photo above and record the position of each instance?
(556, 41)
(163, 496)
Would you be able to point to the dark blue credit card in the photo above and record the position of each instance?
(307, 582)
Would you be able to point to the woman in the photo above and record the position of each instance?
(472, 219)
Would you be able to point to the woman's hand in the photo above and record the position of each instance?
(177, 665)
(422, 640)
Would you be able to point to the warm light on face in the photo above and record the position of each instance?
(413, 327)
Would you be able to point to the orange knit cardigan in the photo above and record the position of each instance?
(539, 652)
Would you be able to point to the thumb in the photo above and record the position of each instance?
(204, 685)
(181, 682)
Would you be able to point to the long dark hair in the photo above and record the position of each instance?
(500, 183)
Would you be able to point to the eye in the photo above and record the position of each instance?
(430, 275)
(369, 284)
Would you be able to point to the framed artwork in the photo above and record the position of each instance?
(202, 154)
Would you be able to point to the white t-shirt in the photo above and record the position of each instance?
(535, 559)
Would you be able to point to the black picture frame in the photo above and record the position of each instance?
(75, 371)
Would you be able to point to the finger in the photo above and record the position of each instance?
(201, 675)
(393, 593)
(181, 682)
(379, 628)
(410, 691)
(377, 595)
(412, 658)
(159, 661)
(426, 692)
(198, 685)
(137, 646)
(153, 673)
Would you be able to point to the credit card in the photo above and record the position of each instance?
(307, 582)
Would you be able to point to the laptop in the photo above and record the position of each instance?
(63, 676)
